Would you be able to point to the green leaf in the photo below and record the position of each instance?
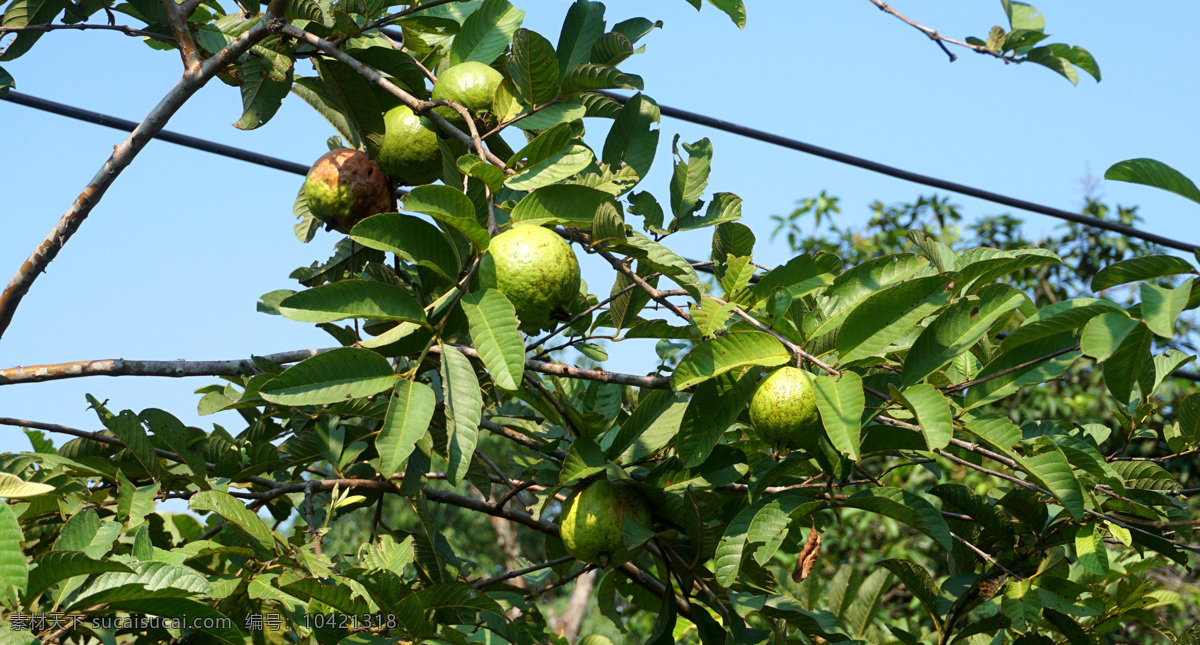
(858, 616)
(408, 415)
(732, 8)
(6, 82)
(411, 238)
(798, 270)
(262, 96)
(708, 317)
(608, 225)
(841, 403)
(1155, 174)
(337, 375)
(690, 176)
(1128, 362)
(905, 507)
(14, 569)
(590, 77)
(919, 583)
(584, 459)
(738, 536)
(713, 408)
(633, 138)
(883, 317)
(244, 521)
(352, 299)
(663, 260)
(495, 336)
(450, 206)
(1090, 549)
(724, 207)
(560, 205)
(314, 92)
(1191, 636)
(1023, 16)
(932, 410)
(733, 350)
(533, 68)
(56, 566)
(486, 33)
(1104, 333)
(583, 25)
(129, 430)
(558, 166)
(13, 487)
(349, 93)
(22, 13)
(464, 409)
(1160, 307)
(394, 63)
(611, 49)
(1144, 267)
(1062, 316)
(853, 286)
(956, 329)
(652, 425)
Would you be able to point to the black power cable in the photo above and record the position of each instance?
(165, 135)
(892, 171)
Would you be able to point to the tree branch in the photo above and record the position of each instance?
(128, 31)
(122, 156)
(940, 39)
(245, 367)
(183, 36)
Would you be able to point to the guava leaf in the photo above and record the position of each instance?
(493, 322)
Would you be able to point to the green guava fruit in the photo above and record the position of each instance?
(592, 519)
(471, 85)
(594, 639)
(410, 153)
(344, 187)
(783, 409)
(536, 269)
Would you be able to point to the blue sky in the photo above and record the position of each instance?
(172, 261)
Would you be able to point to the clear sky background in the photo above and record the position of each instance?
(172, 261)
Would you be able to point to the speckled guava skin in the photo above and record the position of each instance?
(344, 187)
(536, 269)
(410, 152)
(471, 85)
(783, 410)
(592, 519)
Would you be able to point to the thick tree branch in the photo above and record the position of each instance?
(122, 156)
(187, 44)
(244, 367)
(128, 31)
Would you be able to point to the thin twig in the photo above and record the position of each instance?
(940, 39)
(124, 29)
(520, 572)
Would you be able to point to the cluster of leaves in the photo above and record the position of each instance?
(993, 530)
(1021, 43)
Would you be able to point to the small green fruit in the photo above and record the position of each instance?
(594, 639)
(410, 152)
(536, 269)
(344, 187)
(784, 409)
(592, 520)
(471, 85)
